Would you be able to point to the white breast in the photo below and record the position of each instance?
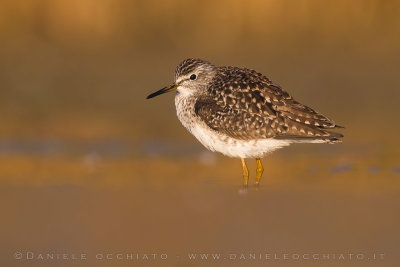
(234, 147)
(219, 142)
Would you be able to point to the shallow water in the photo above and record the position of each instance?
(91, 200)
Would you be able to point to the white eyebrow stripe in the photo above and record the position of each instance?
(181, 79)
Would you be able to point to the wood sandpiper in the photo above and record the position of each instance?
(243, 114)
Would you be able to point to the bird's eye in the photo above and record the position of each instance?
(193, 77)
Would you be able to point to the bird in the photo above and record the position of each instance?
(241, 113)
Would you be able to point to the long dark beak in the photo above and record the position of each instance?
(167, 89)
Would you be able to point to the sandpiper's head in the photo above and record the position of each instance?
(191, 76)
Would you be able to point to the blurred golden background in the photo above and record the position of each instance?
(88, 164)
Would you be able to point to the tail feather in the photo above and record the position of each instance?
(300, 131)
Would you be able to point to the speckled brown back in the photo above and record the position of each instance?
(245, 104)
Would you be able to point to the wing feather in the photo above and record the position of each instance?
(245, 104)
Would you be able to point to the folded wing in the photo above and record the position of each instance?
(244, 104)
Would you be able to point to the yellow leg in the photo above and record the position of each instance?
(259, 172)
(245, 173)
